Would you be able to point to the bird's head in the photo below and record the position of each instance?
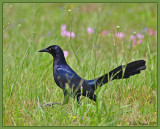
(54, 50)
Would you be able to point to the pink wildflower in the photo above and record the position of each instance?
(120, 35)
(65, 53)
(68, 34)
(72, 34)
(140, 36)
(63, 27)
(63, 33)
(132, 37)
(151, 32)
(139, 41)
(90, 30)
(134, 42)
(104, 32)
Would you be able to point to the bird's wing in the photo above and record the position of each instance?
(67, 75)
(64, 74)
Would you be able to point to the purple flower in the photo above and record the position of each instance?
(82, 118)
(145, 29)
(104, 32)
(120, 35)
(90, 30)
(65, 53)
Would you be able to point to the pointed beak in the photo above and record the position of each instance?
(43, 50)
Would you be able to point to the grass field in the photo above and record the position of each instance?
(104, 36)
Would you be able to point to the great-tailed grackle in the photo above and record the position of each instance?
(64, 75)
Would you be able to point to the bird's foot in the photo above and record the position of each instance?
(50, 104)
(56, 103)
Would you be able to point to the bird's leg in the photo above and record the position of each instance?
(66, 96)
(78, 98)
(92, 97)
(66, 99)
(50, 104)
(90, 94)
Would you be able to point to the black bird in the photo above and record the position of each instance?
(64, 75)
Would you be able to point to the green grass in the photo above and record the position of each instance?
(28, 78)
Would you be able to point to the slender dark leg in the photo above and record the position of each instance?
(78, 98)
(50, 104)
(66, 99)
(91, 95)
(66, 96)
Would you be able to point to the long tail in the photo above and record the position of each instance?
(121, 72)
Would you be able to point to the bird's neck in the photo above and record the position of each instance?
(59, 59)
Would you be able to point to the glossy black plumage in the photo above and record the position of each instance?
(64, 75)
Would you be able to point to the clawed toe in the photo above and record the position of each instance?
(49, 104)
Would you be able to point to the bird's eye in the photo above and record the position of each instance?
(50, 49)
